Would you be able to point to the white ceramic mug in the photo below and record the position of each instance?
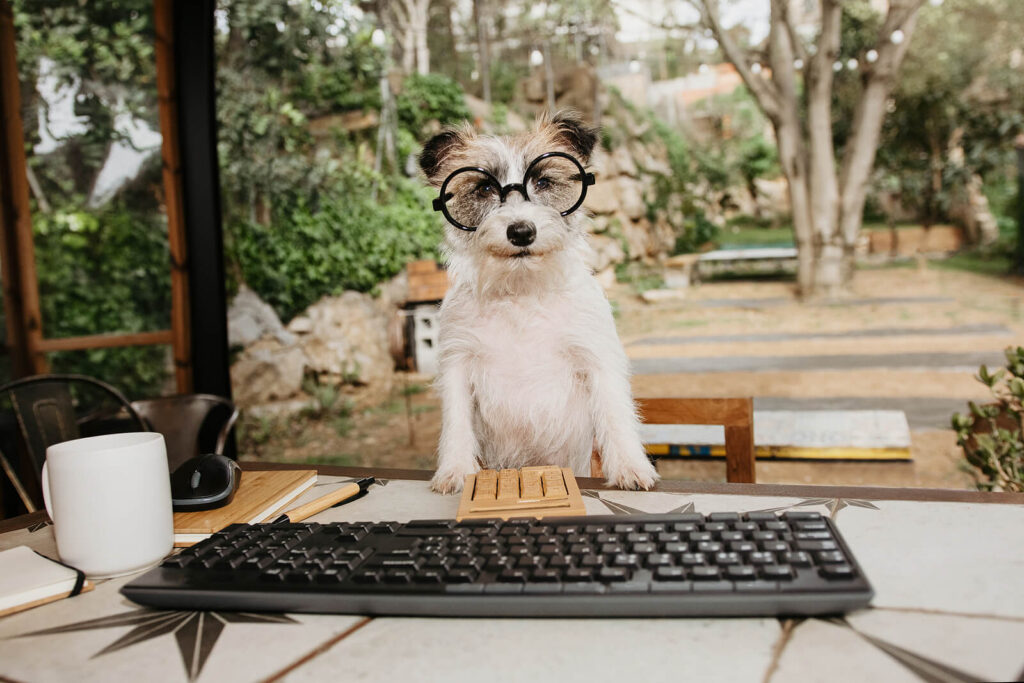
(110, 501)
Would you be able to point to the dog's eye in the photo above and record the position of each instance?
(484, 190)
(543, 183)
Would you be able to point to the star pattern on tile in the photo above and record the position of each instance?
(925, 668)
(620, 509)
(196, 632)
(833, 505)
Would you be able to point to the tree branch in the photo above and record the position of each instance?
(764, 92)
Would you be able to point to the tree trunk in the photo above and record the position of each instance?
(481, 16)
(421, 17)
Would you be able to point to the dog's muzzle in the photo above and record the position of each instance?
(521, 233)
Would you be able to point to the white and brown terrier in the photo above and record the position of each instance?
(531, 368)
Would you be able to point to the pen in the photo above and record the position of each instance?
(343, 494)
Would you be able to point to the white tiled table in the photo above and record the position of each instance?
(947, 567)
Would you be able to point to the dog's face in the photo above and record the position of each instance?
(516, 193)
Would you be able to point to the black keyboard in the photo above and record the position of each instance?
(722, 564)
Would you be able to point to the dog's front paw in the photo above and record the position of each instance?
(632, 476)
(450, 479)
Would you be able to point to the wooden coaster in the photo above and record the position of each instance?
(539, 492)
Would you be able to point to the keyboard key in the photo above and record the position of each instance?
(613, 574)
(712, 586)
(740, 572)
(724, 517)
(513, 576)
(797, 516)
(816, 545)
(670, 574)
(837, 571)
(760, 517)
(830, 557)
(704, 573)
(626, 560)
(658, 560)
(782, 572)
(757, 586)
(578, 574)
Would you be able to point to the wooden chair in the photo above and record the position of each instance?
(735, 414)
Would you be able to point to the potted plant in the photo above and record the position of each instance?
(991, 434)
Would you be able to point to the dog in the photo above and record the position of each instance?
(531, 369)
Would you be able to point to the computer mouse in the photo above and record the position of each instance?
(204, 482)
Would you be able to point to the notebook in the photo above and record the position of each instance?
(261, 495)
(28, 579)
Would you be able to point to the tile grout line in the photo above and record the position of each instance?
(787, 631)
(317, 651)
(937, 612)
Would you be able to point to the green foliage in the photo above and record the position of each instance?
(990, 435)
(639, 276)
(430, 97)
(698, 231)
(105, 271)
(349, 240)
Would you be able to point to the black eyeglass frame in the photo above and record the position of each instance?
(440, 202)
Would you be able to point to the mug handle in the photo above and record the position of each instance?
(46, 490)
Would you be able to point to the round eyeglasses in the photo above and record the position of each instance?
(554, 179)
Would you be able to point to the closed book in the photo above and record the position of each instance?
(28, 579)
(261, 495)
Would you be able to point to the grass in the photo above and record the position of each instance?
(738, 236)
(742, 232)
(996, 264)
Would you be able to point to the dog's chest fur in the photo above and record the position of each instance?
(528, 381)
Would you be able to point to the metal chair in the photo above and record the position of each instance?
(192, 424)
(735, 414)
(49, 409)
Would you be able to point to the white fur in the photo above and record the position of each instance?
(531, 368)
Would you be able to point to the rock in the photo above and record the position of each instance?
(601, 198)
(250, 318)
(636, 238)
(630, 198)
(300, 324)
(349, 343)
(624, 162)
(604, 166)
(267, 371)
(605, 251)
(599, 224)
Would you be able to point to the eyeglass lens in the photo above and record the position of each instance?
(470, 195)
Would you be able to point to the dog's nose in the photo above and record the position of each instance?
(521, 233)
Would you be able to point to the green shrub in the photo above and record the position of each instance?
(106, 271)
(351, 240)
(430, 97)
(990, 435)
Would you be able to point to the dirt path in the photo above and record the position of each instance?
(895, 315)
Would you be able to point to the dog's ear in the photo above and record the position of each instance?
(437, 149)
(575, 134)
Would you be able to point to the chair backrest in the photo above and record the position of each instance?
(192, 424)
(736, 415)
(49, 409)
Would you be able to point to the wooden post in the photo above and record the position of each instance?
(173, 197)
(17, 251)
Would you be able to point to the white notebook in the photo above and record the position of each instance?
(28, 579)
